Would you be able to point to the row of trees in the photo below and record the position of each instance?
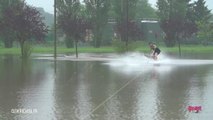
(183, 18)
(74, 17)
(21, 22)
(178, 19)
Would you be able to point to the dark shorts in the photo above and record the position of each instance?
(157, 50)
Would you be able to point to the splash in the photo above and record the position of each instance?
(129, 59)
(138, 62)
(135, 59)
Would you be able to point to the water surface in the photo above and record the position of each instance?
(99, 90)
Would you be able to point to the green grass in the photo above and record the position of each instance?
(143, 48)
(10, 51)
(60, 50)
(190, 49)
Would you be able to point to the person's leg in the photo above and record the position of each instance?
(155, 56)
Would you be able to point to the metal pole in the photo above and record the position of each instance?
(55, 36)
(127, 23)
(179, 47)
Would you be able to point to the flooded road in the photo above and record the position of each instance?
(98, 90)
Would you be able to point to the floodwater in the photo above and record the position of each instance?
(124, 89)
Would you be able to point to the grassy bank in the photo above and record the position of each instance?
(63, 50)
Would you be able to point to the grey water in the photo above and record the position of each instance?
(132, 88)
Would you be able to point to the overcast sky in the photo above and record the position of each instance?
(48, 4)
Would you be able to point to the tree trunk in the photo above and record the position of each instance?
(97, 43)
(179, 48)
(22, 48)
(98, 36)
(76, 48)
(170, 40)
(69, 42)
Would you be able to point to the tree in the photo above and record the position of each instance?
(201, 11)
(172, 18)
(125, 11)
(145, 10)
(25, 22)
(197, 12)
(134, 31)
(98, 12)
(71, 20)
(190, 26)
(6, 32)
(205, 32)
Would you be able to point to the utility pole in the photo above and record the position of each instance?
(55, 36)
(127, 23)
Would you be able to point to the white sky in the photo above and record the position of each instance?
(48, 4)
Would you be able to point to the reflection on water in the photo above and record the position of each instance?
(69, 90)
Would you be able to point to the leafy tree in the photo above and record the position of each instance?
(197, 13)
(66, 11)
(134, 31)
(211, 19)
(125, 11)
(205, 31)
(201, 11)
(190, 26)
(172, 18)
(6, 32)
(98, 10)
(71, 20)
(25, 22)
(145, 10)
(142, 9)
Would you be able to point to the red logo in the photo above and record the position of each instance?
(195, 109)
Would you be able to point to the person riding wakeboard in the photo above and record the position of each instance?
(155, 51)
